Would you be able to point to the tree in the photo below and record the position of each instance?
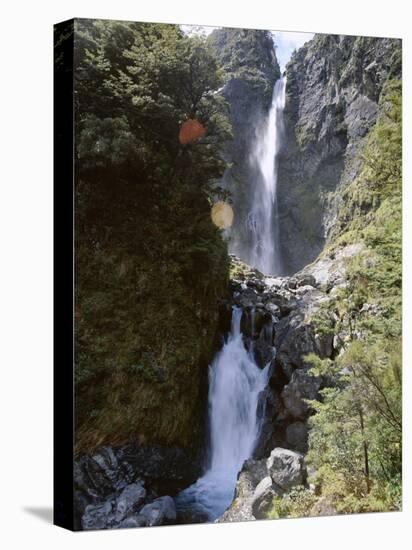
(150, 264)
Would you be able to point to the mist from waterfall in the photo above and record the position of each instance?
(235, 382)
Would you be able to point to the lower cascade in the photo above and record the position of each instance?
(235, 382)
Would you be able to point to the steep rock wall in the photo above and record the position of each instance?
(332, 93)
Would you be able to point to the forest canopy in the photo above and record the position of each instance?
(143, 202)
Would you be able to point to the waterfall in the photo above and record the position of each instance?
(261, 249)
(235, 382)
(264, 254)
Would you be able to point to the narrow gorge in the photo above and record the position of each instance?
(266, 340)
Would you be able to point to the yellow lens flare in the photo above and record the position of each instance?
(222, 214)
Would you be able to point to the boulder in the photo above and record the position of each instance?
(99, 516)
(162, 511)
(114, 511)
(100, 474)
(249, 477)
(129, 500)
(286, 468)
(263, 496)
(251, 474)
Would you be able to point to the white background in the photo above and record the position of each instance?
(26, 271)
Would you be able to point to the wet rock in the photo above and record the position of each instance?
(253, 320)
(263, 351)
(253, 471)
(260, 481)
(286, 468)
(276, 376)
(161, 511)
(292, 282)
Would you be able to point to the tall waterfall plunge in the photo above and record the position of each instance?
(261, 249)
(235, 382)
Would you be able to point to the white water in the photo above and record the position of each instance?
(235, 382)
(263, 252)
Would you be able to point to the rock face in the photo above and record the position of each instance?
(332, 92)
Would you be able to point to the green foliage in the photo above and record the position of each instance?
(356, 434)
(150, 265)
(295, 504)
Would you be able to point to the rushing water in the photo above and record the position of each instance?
(235, 382)
(263, 213)
(261, 247)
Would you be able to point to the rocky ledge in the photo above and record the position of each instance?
(279, 328)
(128, 486)
(261, 480)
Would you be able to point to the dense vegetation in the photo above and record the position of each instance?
(355, 440)
(150, 264)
